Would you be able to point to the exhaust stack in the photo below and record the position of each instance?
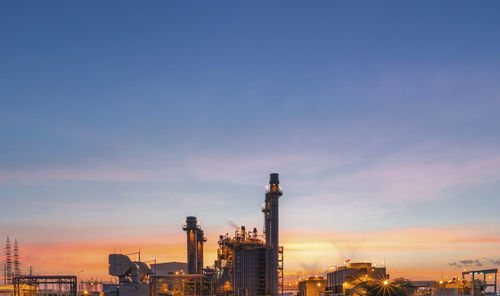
(195, 240)
(271, 225)
(199, 251)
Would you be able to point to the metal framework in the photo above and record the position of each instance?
(281, 275)
(8, 263)
(484, 284)
(45, 285)
(17, 269)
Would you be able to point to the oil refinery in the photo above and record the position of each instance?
(247, 263)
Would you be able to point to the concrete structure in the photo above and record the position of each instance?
(347, 280)
(312, 286)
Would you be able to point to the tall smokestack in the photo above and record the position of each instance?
(200, 240)
(271, 219)
(191, 229)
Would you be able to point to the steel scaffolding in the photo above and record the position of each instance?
(45, 285)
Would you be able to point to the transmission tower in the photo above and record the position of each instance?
(17, 264)
(8, 262)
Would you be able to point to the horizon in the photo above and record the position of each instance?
(118, 121)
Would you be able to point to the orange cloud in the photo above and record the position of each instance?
(418, 253)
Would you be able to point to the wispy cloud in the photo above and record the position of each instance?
(466, 263)
(35, 175)
(348, 186)
(312, 250)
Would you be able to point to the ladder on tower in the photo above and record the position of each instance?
(281, 276)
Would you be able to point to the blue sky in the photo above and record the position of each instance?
(125, 117)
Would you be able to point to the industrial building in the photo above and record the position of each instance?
(349, 279)
(311, 286)
(240, 267)
(473, 282)
(247, 264)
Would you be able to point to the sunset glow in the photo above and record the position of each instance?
(119, 121)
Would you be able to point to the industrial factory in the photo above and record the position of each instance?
(248, 263)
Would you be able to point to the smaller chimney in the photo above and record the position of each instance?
(192, 230)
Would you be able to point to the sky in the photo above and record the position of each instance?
(119, 119)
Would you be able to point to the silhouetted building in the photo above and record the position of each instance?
(311, 286)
